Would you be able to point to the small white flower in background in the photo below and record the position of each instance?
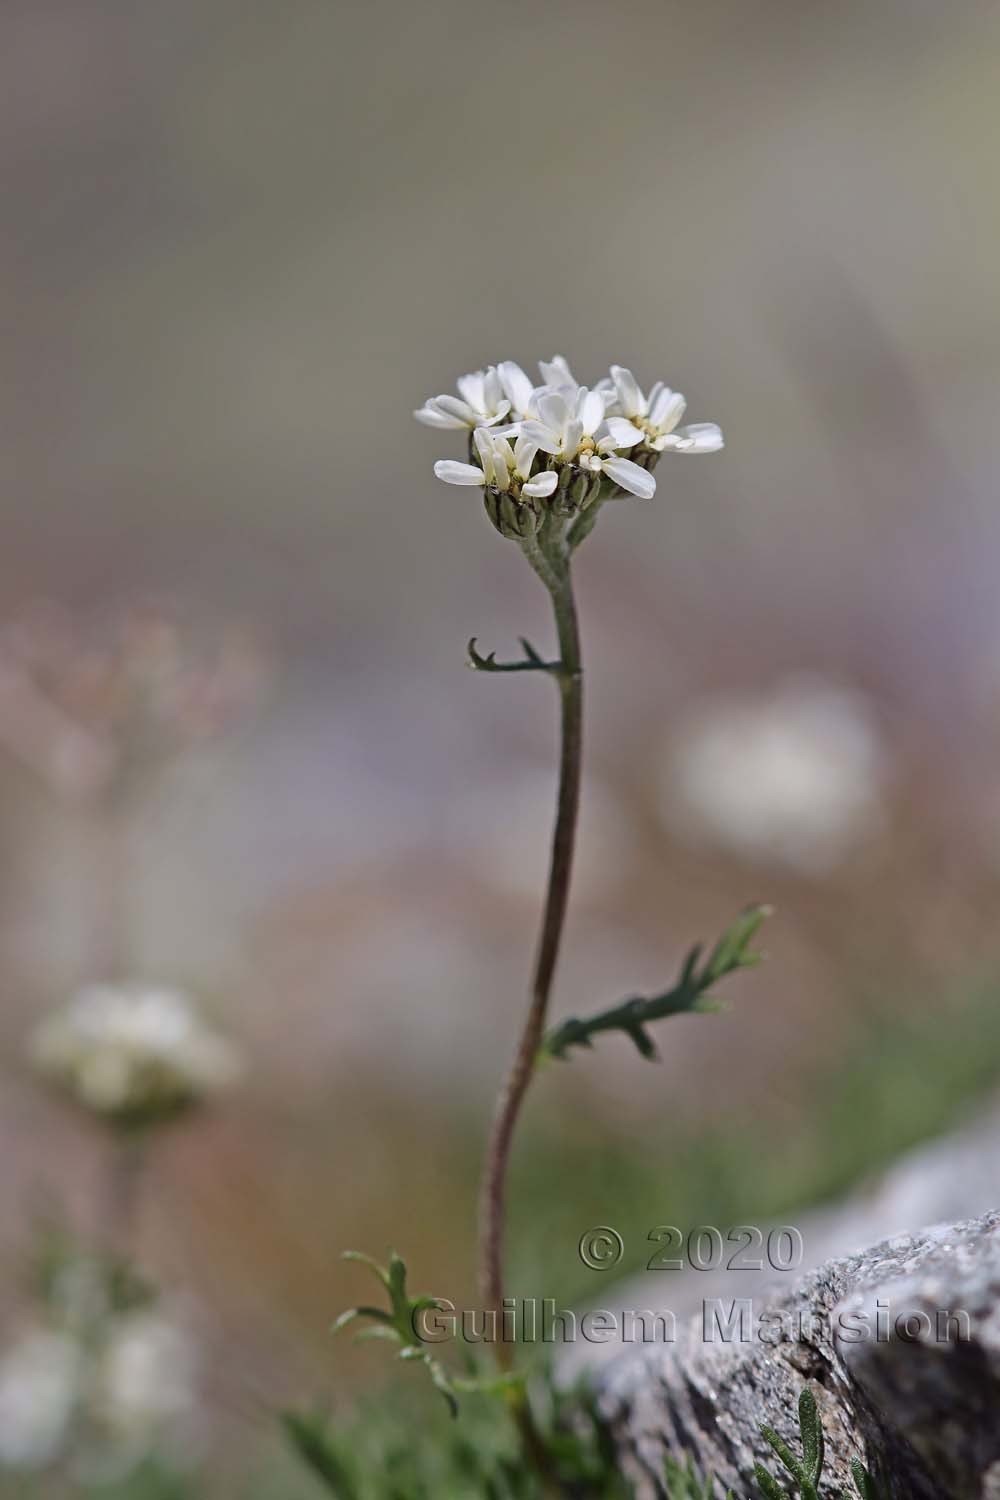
(658, 415)
(480, 403)
(575, 430)
(40, 1385)
(500, 467)
(796, 778)
(145, 1380)
(133, 1051)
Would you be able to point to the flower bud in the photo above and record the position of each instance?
(577, 488)
(514, 519)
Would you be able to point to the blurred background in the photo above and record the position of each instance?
(240, 243)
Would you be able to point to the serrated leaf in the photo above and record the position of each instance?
(398, 1322)
(689, 994)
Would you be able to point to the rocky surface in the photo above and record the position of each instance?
(900, 1345)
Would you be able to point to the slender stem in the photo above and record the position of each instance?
(552, 566)
(124, 1168)
(112, 941)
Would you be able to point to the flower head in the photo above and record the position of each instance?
(510, 491)
(575, 430)
(500, 467)
(39, 1389)
(132, 1053)
(658, 414)
(573, 445)
(480, 403)
(145, 1382)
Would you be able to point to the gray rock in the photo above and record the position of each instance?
(900, 1345)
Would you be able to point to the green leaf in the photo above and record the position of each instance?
(397, 1323)
(689, 994)
(767, 1484)
(310, 1436)
(863, 1481)
(783, 1451)
(811, 1429)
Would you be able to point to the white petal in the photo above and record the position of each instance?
(455, 408)
(501, 473)
(553, 410)
(493, 391)
(484, 447)
(700, 437)
(516, 385)
(666, 411)
(454, 473)
(543, 484)
(630, 397)
(494, 417)
(572, 435)
(543, 436)
(622, 433)
(556, 371)
(630, 477)
(590, 410)
(432, 417)
(471, 389)
(524, 455)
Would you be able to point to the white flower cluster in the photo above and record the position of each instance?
(532, 441)
(131, 1052)
(110, 1400)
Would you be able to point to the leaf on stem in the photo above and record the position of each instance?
(399, 1322)
(690, 994)
(531, 662)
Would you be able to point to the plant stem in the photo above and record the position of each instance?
(124, 1167)
(552, 566)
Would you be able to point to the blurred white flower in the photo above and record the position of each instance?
(796, 778)
(132, 1050)
(145, 1380)
(40, 1384)
(658, 415)
(573, 429)
(501, 467)
(480, 403)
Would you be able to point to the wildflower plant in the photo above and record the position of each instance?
(807, 1472)
(547, 458)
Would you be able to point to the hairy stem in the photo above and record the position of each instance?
(552, 566)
